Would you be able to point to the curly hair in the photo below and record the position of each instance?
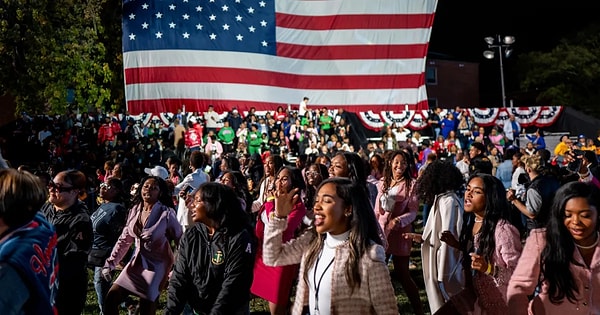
(438, 177)
(165, 194)
(557, 256)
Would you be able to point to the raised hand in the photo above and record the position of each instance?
(284, 202)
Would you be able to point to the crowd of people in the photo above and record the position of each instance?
(218, 211)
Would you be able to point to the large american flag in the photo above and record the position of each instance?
(364, 55)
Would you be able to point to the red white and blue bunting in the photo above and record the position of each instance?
(539, 116)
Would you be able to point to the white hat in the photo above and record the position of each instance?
(158, 171)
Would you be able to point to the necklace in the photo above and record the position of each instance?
(318, 284)
(478, 220)
(590, 246)
(335, 245)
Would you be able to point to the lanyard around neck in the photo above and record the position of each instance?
(318, 284)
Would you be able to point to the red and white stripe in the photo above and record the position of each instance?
(356, 54)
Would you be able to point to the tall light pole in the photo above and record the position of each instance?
(503, 44)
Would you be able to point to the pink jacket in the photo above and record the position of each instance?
(491, 289)
(404, 201)
(146, 272)
(527, 274)
(375, 295)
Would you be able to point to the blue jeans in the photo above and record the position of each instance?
(101, 286)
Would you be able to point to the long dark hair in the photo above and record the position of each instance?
(558, 253)
(240, 186)
(387, 171)
(309, 198)
(356, 167)
(277, 164)
(232, 162)
(364, 229)
(296, 178)
(496, 208)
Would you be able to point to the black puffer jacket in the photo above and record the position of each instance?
(213, 275)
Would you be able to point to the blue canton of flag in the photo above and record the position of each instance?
(226, 25)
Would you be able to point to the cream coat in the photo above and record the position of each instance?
(442, 270)
(375, 295)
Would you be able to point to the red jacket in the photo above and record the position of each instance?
(192, 138)
(106, 132)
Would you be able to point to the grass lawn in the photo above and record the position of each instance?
(259, 306)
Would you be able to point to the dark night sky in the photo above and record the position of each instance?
(460, 26)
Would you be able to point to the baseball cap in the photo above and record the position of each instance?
(158, 171)
(581, 136)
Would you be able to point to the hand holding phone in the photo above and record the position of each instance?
(186, 191)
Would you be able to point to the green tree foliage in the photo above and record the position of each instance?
(568, 75)
(50, 46)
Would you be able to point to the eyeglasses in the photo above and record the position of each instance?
(54, 186)
(312, 173)
(106, 186)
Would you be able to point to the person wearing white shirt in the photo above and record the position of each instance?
(303, 108)
(519, 169)
(401, 133)
(187, 187)
(512, 129)
(211, 119)
(43, 134)
(312, 149)
(462, 163)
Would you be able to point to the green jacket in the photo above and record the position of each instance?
(254, 141)
(226, 135)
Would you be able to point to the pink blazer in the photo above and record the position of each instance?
(527, 274)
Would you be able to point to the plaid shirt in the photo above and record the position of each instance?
(374, 296)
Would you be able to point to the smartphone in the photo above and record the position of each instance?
(188, 189)
(574, 165)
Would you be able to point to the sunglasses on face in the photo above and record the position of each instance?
(54, 186)
(106, 186)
